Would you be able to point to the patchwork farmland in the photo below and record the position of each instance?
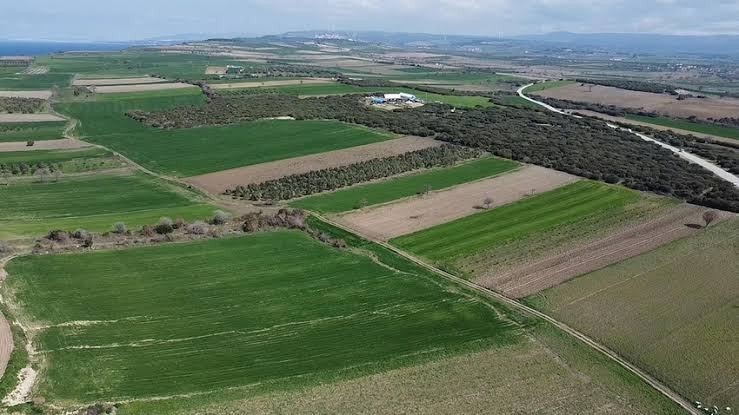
(172, 262)
(655, 301)
(31, 208)
(413, 215)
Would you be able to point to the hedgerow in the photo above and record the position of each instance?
(584, 147)
(317, 181)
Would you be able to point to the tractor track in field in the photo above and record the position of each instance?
(592, 344)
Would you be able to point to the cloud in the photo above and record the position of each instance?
(116, 19)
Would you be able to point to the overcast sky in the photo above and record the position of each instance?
(139, 19)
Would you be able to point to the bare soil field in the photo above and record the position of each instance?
(61, 144)
(26, 94)
(117, 81)
(552, 269)
(215, 70)
(661, 103)
(112, 89)
(654, 126)
(260, 84)
(15, 118)
(228, 179)
(411, 215)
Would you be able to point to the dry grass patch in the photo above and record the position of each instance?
(26, 94)
(228, 179)
(412, 215)
(260, 84)
(112, 89)
(61, 144)
(22, 118)
(117, 81)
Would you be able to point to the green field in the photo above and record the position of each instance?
(404, 186)
(567, 206)
(697, 127)
(672, 312)
(108, 115)
(343, 89)
(268, 312)
(68, 161)
(31, 208)
(194, 151)
(33, 82)
(31, 131)
(541, 86)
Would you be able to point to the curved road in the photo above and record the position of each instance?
(713, 168)
(656, 384)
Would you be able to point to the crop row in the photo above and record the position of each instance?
(317, 181)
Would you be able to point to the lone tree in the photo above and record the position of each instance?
(487, 203)
(709, 217)
(119, 228)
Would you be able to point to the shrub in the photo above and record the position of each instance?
(58, 236)
(80, 234)
(30, 143)
(179, 223)
(198, 228)
(164, 227)
(119, 228)
(5, 248)
(220, 217)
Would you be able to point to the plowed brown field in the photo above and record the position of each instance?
(228, 179)
(412, 215)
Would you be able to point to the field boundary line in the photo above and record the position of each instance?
(594, 345)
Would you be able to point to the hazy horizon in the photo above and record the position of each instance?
(88, 20)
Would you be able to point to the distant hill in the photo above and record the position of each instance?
(643, 42)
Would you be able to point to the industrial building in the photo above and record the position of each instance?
(394, 98)
(16, 60)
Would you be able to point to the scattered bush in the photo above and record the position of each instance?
(165, 226)
(58, 236)
(15, 105)
(198, 228)
(220, 217)
(5, 248)
(119, 228)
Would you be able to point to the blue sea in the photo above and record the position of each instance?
(37, 48)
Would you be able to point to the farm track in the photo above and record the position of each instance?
(610, 354)
(692, 158)
(530, 278)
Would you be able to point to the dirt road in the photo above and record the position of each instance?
(717, 170)
(20, 118)
(610, 354)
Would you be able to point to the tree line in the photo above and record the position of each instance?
(13, 105)
(643, 86)
(584, 147)
(323, 180)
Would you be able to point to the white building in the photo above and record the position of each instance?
(401, 97)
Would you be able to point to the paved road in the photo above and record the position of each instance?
(713, 168)
(656, 384)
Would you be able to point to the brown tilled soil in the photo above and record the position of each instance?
(547, 270)
(112, 89)
(117, 81)
(418, 213)
(660, 103)
(215, 70)
(61, 144)
(26, 94)
(654, 126)
(228, 179)
(260, 84)
(13, 118)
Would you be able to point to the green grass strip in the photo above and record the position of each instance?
(472, 234)
(697, 127)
